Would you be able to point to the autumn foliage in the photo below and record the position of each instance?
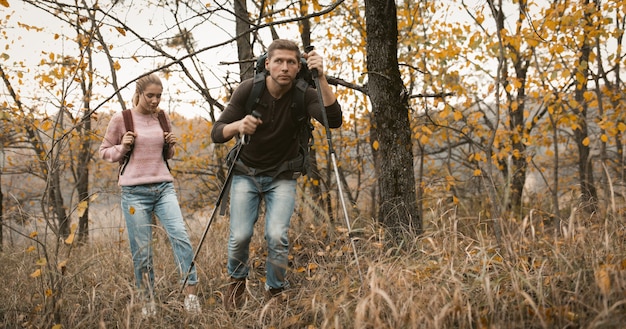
(515, 121)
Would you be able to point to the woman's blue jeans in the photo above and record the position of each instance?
(246, 193)
(139, 204)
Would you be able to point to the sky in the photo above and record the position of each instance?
(31, 44)
(150, 21)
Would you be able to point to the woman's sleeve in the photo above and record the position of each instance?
(111, 148)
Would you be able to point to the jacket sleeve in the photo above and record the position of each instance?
(333, 111)
(111, 148)
(235, 110)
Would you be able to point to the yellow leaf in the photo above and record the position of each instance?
(477, 172)
(621, 126)
(603, 280)
(46, 125)
(4, 3)
(458, 115)
(62, 265)
(41, 261)
(480, 18)
(604, 138)
(48, 293)
(70, 238)
(33, 234)
(586, 141)
(532, 42)
(121, 30)
(312, 267)
(131, 210)
(30, 249)
(81, 207)
(36, 274)
(375, 145)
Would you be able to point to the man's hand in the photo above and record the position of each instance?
(315, 62)
(247, 125)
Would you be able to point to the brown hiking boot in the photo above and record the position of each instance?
(235, 294)
(273, 292)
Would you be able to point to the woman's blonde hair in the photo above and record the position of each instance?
(142, 83)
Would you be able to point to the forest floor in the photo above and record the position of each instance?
(456, 274)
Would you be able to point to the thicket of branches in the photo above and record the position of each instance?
(516, 111)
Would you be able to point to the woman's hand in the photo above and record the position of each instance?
(170, 138)
(128, 139)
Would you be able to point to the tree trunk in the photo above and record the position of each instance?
(1, 205)
(518, 162)
(317, 194)
(398, 209)
(82, 179)
(588, 193)
(84, 152)
(316, 189)
(56, 203)
(244, 48)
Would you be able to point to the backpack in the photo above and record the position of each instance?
(128, 124)
(304, 132)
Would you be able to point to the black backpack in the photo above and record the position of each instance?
(301, 164)
(128, 124)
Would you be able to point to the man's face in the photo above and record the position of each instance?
(283, 66)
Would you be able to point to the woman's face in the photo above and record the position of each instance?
(150, 98)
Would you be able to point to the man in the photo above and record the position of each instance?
(270, 143)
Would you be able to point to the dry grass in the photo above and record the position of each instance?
(453, 276)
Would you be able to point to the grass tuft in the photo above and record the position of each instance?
(454, 275)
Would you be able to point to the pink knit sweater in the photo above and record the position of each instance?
(146, 164)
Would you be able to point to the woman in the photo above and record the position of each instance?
(147, 189)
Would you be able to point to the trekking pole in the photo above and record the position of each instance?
(333, 158)
(229, 175)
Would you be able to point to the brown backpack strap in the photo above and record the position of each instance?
(163, 121)
(128, 120)
(128, 124)
(166, 128)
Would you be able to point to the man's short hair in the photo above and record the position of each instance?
(283, 44)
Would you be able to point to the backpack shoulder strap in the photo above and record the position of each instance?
(128, 120)
(298, 102)
(257, 89)
(165, 125)
(128, 124)
(163, 121)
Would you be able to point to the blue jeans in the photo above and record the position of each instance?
(245, 196)
(139, 204)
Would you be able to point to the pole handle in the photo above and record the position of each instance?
(308, 49)
(246, 138)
